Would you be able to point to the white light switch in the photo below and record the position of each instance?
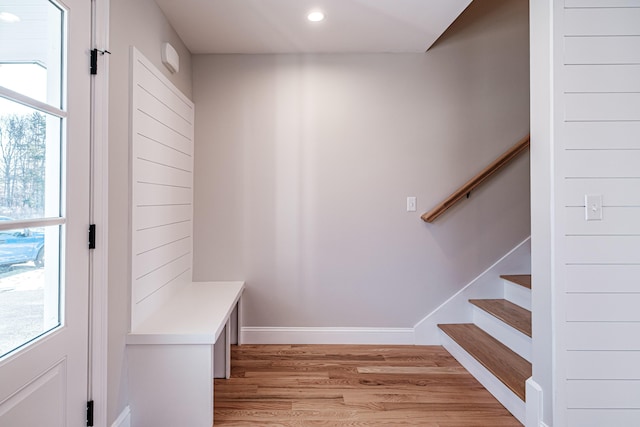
(411, 204)
(593, 207)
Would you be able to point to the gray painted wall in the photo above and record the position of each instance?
(142, 24)
(303, 164)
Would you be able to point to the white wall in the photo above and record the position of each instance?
(595, 264)
(303, 164)
(139, 23)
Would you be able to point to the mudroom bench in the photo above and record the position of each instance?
(175, 353)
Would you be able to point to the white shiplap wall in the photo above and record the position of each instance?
(162, 123)
(598, 152)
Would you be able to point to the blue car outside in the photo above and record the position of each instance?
(20, 246)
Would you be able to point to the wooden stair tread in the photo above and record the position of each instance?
(508, 312)
(497, 358)
(520, 279)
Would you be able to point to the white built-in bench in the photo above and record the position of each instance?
(175, 353)
(180, 330)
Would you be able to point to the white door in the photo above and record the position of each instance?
(44, 211)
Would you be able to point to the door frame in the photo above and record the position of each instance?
(99, 297)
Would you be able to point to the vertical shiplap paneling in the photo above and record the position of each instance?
(600, 154)
(162, 122)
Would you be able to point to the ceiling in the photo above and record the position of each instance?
(280, 26)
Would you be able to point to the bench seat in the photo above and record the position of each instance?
(196, 315)
(174, 354)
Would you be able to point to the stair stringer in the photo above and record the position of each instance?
(487, 285)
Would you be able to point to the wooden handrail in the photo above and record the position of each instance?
(474, 182)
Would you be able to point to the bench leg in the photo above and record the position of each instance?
(239, 321)
(227, 350)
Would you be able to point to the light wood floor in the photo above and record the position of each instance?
(346, 385)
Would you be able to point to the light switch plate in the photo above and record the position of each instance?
(593, 207)
(412, 204)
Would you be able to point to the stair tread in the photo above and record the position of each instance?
(520, 279)
(497, 358)
(508, 312)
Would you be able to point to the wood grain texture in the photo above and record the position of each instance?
(508, 312)
(502, 161)
(498, 359)
(519, 279)
(352, 385)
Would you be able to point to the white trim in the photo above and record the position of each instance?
(99, 216)
(124, 419)
(534, 404)
(487, 284)
(506, 397)
(282, 335)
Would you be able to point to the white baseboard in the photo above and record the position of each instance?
(487, 285)
(124, 419)
(283, 335)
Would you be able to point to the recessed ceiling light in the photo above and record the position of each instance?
(315, 16)
(9, 17)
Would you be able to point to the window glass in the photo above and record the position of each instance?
(29, 162)
(31, 49)
(29, 285)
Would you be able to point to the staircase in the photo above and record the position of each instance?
(496, 348)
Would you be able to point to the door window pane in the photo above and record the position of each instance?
(29, 162)
(31, 49)
(29, 285)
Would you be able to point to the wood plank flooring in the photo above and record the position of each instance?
(351, 385)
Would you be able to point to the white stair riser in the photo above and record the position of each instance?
(505, 396)
(519, 295)
(512, 338)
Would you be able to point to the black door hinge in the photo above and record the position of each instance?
(94, 59)
(90, 413)
(92, 236)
